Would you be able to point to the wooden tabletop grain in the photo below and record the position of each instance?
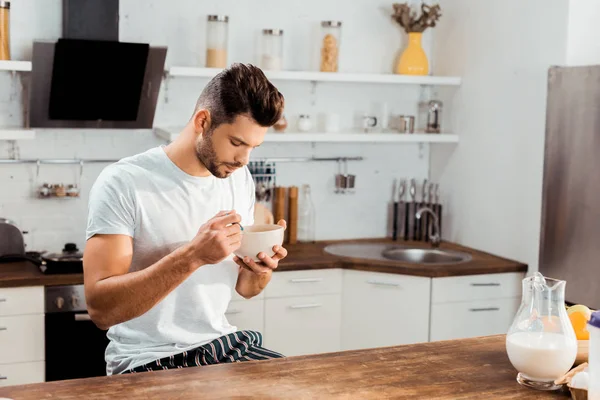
(304, 256)
(476, 368)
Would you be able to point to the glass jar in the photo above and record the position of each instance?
(306, 216)
(216, 41)
(304, 123)
(272, 50)
(330, 45)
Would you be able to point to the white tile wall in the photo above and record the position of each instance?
(371, 43)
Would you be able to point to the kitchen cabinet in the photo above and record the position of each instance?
(474, 305)
(472, 318)
(380, 309)
(247, 314)
(22, 350)
(303, 312)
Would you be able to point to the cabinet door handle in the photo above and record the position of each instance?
(314, 305)
(3, 377)
(484, 284)
(381, 283)
(233, 311)
(83, 317)
(306, 280)
(484, 309)
(3, 328)
(2, 300)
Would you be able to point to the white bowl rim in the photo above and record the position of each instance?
(275, 226)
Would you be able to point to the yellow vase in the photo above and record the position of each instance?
(413, 60)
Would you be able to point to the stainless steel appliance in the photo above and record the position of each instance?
(570, 228)
(12, 243)
(74, 344)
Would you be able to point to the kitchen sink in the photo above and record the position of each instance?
(404, 254)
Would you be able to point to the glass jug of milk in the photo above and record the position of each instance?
(541, 343)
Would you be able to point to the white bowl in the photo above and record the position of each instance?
(260, 237)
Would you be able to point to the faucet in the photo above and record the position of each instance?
(435, 238)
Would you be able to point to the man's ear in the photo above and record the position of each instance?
(201, 120)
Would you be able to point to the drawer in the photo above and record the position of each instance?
(476, 287)
(23, 300)
(21, 339)
(304, 283)
(22, 373)
(247, 314)
(303, 325)
(471, 319)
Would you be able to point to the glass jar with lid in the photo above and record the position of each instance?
(331, 33)
(217, 34)
(272, 50)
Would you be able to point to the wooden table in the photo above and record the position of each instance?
(475, 368)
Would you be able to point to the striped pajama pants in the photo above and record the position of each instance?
(235, 347)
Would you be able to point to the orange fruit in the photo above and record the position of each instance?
(579, 322)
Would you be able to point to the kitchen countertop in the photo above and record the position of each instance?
(476, 368)
(303, 256)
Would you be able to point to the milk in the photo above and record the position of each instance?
(541, 356)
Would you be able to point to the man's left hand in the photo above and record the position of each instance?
(267, 264)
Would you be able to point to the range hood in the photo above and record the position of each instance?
(88, 79)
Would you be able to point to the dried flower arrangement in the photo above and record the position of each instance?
(413, 23)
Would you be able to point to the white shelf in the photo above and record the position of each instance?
(328, 76)
(16, 134)
(21, 66)
(171, 134)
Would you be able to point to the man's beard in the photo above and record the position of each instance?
(205, 151)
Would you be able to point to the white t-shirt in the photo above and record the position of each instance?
(161, 207)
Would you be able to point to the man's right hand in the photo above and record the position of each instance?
(216, 239)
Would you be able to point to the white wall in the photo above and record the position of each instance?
(370, 44)
(583, 48)
(494, 177)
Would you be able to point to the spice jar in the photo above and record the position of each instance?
(45, 190)
(330, 45)
(59, 190)
(272, 50)
(216, 41)
(4, 30)
(72, 191)
(281, 125)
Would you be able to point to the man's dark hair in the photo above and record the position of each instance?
(241, 89)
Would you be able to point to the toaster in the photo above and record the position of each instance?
(12, 243)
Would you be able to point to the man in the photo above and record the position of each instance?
(162, 227)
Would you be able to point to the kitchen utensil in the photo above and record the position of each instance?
(407, 124)
(410, 212)
(398, 205)
(340, 179)
(12, 242)
(293, 215)
(541, 343)
(4, 30)
(434, 117)
(438, 209)
(279, 200)
(430, 205)
(369, 122)
(423, 222)
(68, 261)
